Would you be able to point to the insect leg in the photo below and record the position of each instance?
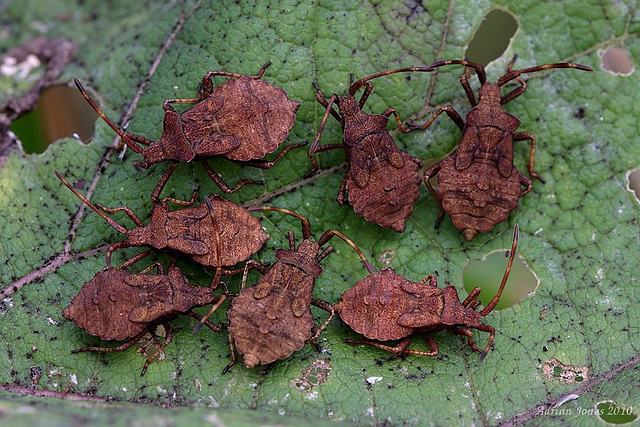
(155, 196)
(232, 347)
(119, 245)
(324, 253)
(158, 266)
(525, 182)
(220, 182)
(433, 347)
(182, 202)
(330, 233)
(432, 171)
(489, 329)
(167, 107)
(135, 258)
(401, 348)
(472, 297)
(326, 147)
(213, 327)
(324, 306)
(314, 146)
(467, 87)
(522, 136)
(515, 92)
(365, 95)
(343, 190)
(266, 164)
(127, 210)
(467, 332)
(321, 99)
(121, 347)
(451, 112)
(251, 263)
(433, 281)
(292, 240)
(398, 349)
(167, 341)
(207, 80)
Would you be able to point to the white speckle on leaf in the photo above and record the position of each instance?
(74, 379)
(124, 389)
(53, 322)
(161, 390)
(214, 403)
(370, 411)
(312, 396)
(272, 402)
(538, 231)
(600, 274)
(373, 380)
(281, 411)
(10, 67)
(230, 386)
(198, 385)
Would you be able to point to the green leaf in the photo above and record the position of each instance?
(578, 232)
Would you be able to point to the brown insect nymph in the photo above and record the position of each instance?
(382, 181)
(189, 231)
(241, 120)
(119, 305)
(478, 184)
(385, 306)
(271, 320)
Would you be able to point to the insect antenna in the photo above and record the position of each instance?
(135, 147)
(357, 85)
(516, 73)
(482, 76)
(495, 299)
(111, 222)
(330, 233)
(306, 228)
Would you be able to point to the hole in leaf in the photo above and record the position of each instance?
(492, 38)
(387, 256)
(556, 370)
(487, 274)
(616, 60)
(615, 413)
(61, 111)
(633, 182)
(314, 375)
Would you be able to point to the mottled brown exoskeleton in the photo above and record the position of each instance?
(271, 320)
(119, 305)
(241, 120)
(382, 181)
(386, 306)
(478, 184)
(189, 231)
